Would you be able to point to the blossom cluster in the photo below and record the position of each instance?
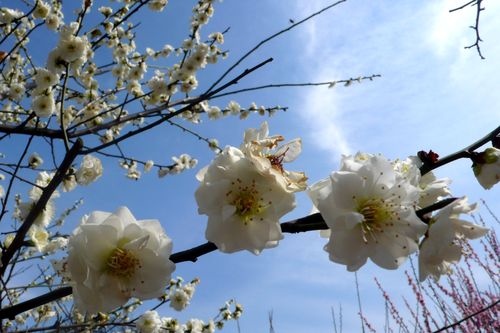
(151, 322)
(180, 294)
(370, 207)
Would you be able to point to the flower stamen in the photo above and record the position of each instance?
(376, 213)
(247, 200)
(122, 263)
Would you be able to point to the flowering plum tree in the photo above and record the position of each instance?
(69, 108)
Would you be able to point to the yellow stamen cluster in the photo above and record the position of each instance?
(246, 199)
(377, 213)
(122, 263)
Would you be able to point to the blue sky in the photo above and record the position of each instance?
(433, 94)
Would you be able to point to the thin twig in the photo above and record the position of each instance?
(264, 41)
(308, 84)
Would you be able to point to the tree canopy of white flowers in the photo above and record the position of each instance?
(69, 108)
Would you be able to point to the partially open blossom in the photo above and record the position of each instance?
(431, 189)
(487, 168)
(148, 165)
(371, 213)
(441, 248)
(34, 161)
(149, 322)
(113, 257)
(264, 151)
(243, 205)
(90, 169)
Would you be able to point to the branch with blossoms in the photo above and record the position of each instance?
(94, 85)
(257, 141)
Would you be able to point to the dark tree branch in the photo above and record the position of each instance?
(307, 223)
(191, 103)
(40, 204)
(463, 6)
(475, 27)
(476, 30)
(438, 205)
(12, 311)
(463, 153)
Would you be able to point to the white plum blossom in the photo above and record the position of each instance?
(113, 257)
(441, 246)
(263, 151)
(72, 48)
(234, 108)
(370, 212)
(7, 15)
(431, 189)
(16, 91)
(149, 322)
(39, 237)
(44, 79)
(243, 205)
(194, 325)
(42, 9)
(55, 61)
(43, 105)
(214, 112)
(89, 171)
(148, 165)
(53, 21)
(106, 11)
(179, 298)
(35, 160)
(157, 5)
(487, 170)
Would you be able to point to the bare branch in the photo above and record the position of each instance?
(475, 27)
(269, 39)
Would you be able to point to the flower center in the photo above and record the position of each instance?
(376, 212)
(246, 199)
(122, 263)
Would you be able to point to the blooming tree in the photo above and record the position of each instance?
(70, 107)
